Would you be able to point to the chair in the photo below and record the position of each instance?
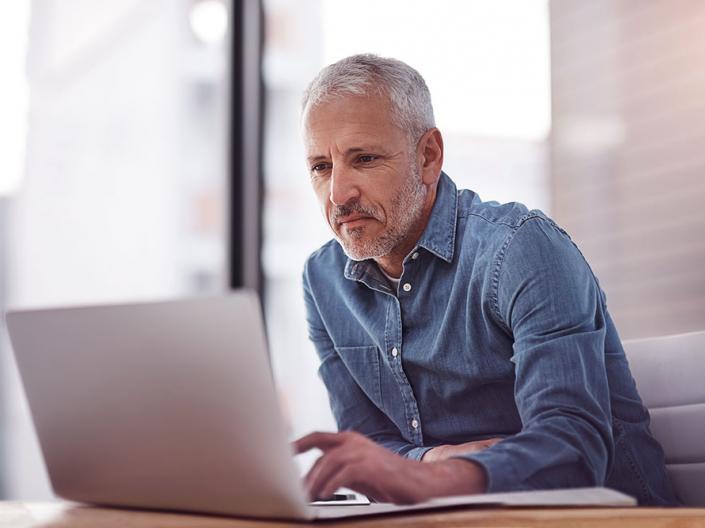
(670, 375)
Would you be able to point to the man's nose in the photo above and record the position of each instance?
(343, 187)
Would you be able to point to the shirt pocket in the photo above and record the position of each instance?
(363, 364)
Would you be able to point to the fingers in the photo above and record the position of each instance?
(359, 464)
(310, 475)
(326, 468)
(321, 471)
(338, 449)
(341, 469)
(353, 477)
(344, 458)
(340, 477)
(322, 441)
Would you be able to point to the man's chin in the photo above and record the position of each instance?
(361, 244)
(359, 253)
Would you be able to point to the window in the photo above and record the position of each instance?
(122, 194)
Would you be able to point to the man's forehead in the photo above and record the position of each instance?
(350, 109)
(350, 122)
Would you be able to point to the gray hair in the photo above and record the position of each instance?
(367, 74)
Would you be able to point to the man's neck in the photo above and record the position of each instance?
(393, 263)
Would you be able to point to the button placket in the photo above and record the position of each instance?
(393, 339)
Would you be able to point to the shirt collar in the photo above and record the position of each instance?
(438, 237)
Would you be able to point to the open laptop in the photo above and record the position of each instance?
(172, 405)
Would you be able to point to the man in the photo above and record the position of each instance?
(466, 346)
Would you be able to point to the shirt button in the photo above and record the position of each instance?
(407, 287)
(415, 255)
(415, 423)
(395, 352)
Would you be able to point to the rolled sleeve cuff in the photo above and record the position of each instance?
(417, 453)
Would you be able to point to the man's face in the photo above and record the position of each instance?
(365, 174)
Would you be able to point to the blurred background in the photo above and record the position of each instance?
(151, 149)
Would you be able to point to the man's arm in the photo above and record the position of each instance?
(352, 409)
(353, 461)
(548, 299)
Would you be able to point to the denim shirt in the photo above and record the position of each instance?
(498, 328)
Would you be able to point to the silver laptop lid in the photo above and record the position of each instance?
(159, 405)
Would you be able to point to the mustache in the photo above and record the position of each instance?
(349, 208)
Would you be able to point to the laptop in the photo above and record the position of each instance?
(172, 406)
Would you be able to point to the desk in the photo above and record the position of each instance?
(66, 515)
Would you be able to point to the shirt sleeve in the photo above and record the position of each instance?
(547, 298)
(352, 409)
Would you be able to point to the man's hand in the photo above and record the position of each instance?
(353, 461)
(444, 452)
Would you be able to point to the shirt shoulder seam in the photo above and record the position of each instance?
(499, 262)
(517, 223)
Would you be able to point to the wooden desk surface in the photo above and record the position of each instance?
(66, 515)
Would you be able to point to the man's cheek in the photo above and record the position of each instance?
(325, 210)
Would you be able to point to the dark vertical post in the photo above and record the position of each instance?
(245, 157)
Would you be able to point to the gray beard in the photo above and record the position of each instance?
(405, 214)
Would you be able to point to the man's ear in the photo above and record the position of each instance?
(430, 155)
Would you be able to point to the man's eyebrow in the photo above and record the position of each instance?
(348, 152)
(313, 159)
(364, 148)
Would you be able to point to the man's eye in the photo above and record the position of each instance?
(319, 167)
(367, 158)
